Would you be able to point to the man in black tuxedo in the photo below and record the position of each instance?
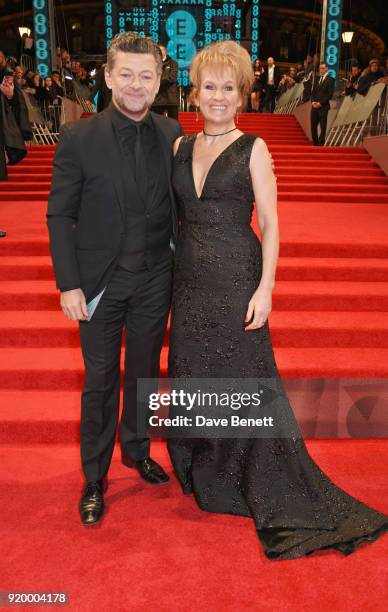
(271, 79)
(321, 95)
(112, 221)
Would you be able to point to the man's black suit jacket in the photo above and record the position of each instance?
(87, 207)
(276, 77)
(168, 93)
(323, 93)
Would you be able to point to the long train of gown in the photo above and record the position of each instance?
(296, 508)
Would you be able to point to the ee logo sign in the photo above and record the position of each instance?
(181, 28)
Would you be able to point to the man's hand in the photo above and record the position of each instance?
(73, 304)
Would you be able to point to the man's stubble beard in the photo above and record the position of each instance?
(121, 104)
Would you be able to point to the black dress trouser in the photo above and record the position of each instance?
(138, 302)
(319, 117)
(270, 98)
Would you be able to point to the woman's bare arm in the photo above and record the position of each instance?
(265, 190)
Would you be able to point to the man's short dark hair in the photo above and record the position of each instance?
(131, 42)
(323, 64)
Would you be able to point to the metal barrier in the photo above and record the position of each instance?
(359, 117)
(289, 100)
(28, 62)
(86, 105)
(46, 119)
(42, 129)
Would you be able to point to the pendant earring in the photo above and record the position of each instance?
(239, 109)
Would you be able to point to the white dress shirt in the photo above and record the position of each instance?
(270, 75)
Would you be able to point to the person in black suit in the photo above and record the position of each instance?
(112, 221)
(100, 87)
(3, 165)
(167, 98)
(271, 80)
(5, 90)
(321, 95)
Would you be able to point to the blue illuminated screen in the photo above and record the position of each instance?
(42, 44)
(333, 36)
(183, 26)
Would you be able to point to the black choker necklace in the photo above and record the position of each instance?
(223, 133)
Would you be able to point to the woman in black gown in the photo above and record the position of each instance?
(224, 276)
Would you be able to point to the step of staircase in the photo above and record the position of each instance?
(33, 329)
(287, 295)
(39, 267)
(58, 369)
(330, 197)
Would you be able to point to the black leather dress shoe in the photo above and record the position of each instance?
(91, 505)
(149, 470)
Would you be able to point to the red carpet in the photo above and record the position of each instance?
(155, 548)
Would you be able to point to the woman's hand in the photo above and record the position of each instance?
(259, 307)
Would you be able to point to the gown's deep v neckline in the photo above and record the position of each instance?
(199, 197)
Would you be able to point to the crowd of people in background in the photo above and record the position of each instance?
(46, 94)
(360, 81)
(270, 82)
(71, 78)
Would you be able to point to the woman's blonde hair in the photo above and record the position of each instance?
(221, 55)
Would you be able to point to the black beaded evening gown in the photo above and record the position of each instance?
(296, 508)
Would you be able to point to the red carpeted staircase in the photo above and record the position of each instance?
(330, 303)
(329, 319)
